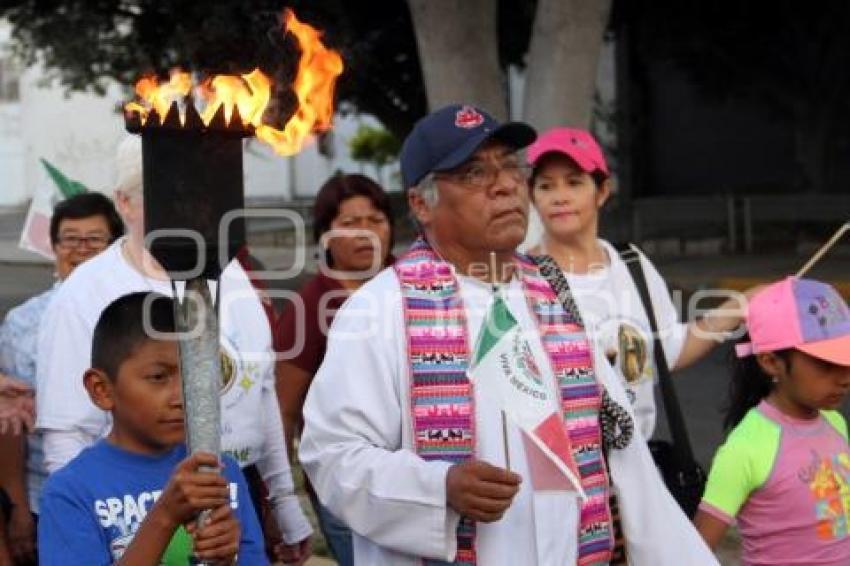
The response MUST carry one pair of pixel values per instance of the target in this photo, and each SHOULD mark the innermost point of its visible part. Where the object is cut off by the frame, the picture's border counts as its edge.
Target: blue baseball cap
(449, 136)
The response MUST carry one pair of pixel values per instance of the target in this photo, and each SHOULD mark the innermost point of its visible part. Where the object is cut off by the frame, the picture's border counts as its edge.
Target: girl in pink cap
(783, 473)
(570, 184)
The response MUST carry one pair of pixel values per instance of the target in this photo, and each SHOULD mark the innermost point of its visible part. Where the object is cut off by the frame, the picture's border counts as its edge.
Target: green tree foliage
(374, 145)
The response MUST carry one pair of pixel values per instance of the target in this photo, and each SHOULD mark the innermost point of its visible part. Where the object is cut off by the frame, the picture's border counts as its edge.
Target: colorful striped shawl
(442, 398)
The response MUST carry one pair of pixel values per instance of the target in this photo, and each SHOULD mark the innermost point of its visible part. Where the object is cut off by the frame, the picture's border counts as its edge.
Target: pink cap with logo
(804, 314)
(577, 144)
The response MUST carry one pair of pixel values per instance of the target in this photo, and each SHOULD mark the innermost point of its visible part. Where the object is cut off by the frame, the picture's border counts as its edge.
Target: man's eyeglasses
(482, 174)
(91, 242)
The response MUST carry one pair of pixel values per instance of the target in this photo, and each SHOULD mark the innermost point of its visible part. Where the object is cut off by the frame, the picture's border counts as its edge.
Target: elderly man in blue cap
(398, 441)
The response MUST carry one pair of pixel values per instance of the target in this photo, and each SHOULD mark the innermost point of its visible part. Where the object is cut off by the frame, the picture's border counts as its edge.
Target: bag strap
(558, 282)
(682, 449)
(616, 423)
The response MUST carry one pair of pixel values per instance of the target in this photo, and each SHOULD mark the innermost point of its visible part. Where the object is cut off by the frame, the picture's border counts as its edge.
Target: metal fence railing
(759, 211)
(740, 223)
(685, 217)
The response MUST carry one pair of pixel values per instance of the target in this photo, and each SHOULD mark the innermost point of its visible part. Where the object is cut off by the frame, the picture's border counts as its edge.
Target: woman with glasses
(353, 225)
(81, 227)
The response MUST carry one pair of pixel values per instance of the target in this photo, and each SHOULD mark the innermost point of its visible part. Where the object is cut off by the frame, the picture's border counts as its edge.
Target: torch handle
(200, 367)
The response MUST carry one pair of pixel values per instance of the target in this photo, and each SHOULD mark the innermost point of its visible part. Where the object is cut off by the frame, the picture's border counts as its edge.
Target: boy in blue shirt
(134, 496)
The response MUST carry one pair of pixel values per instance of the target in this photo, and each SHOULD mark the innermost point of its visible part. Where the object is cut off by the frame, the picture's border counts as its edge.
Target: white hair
(128, 165)
(427, 189)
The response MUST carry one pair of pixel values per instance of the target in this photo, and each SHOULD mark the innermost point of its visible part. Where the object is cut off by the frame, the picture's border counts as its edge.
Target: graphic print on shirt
(228, 370)
(828, 479)
(121, 516)
(627, 345)
(632, 354)
(238, 375)
(243, 380)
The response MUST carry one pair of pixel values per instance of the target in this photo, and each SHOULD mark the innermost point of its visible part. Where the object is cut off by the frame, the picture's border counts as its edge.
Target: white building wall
(12, 177)
(77, 133)
(269, 176)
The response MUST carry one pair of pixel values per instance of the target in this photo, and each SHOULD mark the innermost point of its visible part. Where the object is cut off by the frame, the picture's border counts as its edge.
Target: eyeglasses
(91, 242)
(483, 175)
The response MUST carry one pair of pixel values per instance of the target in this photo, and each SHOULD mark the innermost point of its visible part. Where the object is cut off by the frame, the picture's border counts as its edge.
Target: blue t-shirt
(92, 508)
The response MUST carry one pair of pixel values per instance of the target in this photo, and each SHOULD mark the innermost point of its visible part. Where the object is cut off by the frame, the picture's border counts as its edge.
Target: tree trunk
(561, 76)
(562, 61)
(458, 52)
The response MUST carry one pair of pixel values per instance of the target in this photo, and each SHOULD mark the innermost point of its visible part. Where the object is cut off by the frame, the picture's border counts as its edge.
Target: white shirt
(616, 321)
(252, 431)
(358, 450)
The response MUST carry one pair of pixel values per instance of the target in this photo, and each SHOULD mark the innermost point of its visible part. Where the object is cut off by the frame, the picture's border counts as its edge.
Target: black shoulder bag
(682, 474)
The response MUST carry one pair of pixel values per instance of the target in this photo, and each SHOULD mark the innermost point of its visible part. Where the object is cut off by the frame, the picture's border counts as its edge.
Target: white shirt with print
(617, 323)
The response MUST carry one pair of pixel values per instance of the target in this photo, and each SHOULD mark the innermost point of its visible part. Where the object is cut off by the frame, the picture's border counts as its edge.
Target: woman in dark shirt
(353, 223)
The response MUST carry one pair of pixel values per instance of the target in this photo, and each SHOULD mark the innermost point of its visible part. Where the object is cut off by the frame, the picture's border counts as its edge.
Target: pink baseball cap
(804, 314)
(577, 144)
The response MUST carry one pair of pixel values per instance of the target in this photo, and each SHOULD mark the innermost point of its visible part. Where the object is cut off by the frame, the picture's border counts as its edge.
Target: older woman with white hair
(251, 426)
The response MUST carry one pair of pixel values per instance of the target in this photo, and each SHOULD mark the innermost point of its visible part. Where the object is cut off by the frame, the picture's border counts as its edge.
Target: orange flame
(249, 93)
(159, 97)
(318, 70)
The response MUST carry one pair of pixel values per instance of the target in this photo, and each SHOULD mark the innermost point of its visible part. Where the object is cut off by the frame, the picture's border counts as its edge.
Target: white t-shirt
(616, 321)
(358, 450)
(251, 425)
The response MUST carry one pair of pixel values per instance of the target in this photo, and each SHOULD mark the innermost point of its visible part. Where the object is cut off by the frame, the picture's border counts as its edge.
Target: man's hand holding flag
(505, 366)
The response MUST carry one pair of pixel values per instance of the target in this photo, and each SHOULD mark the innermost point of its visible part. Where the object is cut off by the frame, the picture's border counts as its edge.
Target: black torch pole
(193, 180)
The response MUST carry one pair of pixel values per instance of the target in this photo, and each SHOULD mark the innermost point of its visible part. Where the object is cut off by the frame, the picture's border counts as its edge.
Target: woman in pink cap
(783, 473)
(570, 184)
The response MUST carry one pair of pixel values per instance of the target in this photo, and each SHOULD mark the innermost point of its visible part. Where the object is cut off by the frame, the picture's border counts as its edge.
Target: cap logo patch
(468, 117)
(826, 312)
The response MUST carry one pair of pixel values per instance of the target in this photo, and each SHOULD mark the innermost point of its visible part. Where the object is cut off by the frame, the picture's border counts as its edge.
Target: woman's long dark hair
(750, 384)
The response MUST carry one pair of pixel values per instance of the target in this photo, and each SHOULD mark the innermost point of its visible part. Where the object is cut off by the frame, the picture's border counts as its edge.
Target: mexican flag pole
(35, 236)
(504, 366)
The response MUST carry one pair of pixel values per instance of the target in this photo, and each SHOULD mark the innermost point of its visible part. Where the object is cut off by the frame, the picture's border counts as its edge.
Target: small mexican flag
(35, 236)
(504, 365)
